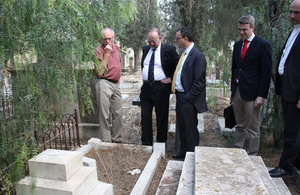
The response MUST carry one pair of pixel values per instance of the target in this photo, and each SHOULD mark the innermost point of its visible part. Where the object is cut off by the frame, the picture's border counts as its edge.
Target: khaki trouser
(247, 120)
(109, 99)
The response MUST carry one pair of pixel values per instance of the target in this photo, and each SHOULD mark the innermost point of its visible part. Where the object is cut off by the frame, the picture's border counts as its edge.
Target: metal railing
(62, 133)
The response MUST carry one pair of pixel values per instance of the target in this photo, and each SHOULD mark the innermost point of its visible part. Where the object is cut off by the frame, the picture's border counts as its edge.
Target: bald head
(154, 38)
(295, 12)
(108, 36)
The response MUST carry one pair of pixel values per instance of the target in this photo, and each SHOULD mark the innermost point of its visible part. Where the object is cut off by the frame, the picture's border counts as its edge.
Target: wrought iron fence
(62, 133)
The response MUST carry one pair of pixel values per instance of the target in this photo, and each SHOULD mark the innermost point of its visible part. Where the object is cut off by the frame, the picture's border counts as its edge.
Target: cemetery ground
(113, 165)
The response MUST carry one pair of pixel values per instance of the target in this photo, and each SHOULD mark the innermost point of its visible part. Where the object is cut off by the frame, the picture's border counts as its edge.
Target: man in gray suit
(287, 84)
(190, 88)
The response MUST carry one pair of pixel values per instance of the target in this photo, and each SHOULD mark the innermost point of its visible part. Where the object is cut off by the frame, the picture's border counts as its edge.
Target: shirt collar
(251, 37)
(158, 48)
(187, 51)
(297, 26)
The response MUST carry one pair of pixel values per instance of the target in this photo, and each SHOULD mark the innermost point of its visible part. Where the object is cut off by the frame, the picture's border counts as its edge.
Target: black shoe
(279, 172)
(178, 156)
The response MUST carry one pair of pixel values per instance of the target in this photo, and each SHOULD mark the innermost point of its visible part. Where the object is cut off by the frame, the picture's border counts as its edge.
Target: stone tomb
(61, 172)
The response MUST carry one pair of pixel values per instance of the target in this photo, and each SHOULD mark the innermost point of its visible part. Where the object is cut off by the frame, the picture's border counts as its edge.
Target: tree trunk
(137, 63)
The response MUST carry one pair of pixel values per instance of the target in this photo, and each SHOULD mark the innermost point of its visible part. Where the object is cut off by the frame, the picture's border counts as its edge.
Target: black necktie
(151, 70)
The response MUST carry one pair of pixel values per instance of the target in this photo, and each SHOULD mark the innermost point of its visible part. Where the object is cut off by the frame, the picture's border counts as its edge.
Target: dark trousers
(186, 122)
(291, 134)
(156, 96)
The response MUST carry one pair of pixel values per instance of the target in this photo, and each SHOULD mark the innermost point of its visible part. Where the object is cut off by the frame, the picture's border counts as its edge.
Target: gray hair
(109, 29)
(247, 19)
(156, 30)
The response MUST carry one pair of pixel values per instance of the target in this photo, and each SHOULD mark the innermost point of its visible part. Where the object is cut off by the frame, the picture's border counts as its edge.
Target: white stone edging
(143, 183)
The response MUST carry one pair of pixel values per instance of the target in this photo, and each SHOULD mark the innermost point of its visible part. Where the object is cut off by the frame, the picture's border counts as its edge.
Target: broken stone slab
(225, 131)
(53, 164)
(170, 179)
(187, 177)
(225, 171)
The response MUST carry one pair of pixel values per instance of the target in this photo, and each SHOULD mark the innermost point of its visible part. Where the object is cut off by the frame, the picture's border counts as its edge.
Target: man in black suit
(158, 66)
(190, 88)
(287, 84)
(250, 81)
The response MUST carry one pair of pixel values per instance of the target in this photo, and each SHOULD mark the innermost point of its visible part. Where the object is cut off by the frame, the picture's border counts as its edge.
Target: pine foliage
(48, 46)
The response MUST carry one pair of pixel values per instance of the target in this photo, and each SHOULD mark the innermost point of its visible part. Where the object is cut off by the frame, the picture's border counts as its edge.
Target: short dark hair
(186, 32)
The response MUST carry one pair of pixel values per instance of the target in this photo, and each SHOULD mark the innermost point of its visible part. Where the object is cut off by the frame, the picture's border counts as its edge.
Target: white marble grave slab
(53, 164)
(225, 171)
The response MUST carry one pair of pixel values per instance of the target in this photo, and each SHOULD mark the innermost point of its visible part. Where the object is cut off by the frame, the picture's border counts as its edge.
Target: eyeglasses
(149, 41)
(294, 12)
(177, 38)
(107, 39)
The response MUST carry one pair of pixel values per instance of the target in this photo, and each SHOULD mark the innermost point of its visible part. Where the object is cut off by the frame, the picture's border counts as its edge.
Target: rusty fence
(62, 133)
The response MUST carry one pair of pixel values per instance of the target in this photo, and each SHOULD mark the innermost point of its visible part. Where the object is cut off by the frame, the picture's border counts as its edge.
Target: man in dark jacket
(287, 84)
(190, 88)
(158, 66)
(250, 81)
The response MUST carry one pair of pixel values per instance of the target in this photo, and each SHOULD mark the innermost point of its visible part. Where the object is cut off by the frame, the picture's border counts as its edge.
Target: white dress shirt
(158, 70)
(250, 39)
(178, 84)
(288, 46)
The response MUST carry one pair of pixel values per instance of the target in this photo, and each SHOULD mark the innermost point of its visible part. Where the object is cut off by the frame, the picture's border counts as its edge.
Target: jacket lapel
(188, 58)
(295, 43)
(162, 54)
(145, 53)
(250, 49)
(239, 52)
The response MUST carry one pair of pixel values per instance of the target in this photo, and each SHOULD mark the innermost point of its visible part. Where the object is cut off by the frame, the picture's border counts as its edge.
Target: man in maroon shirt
(109, 99)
